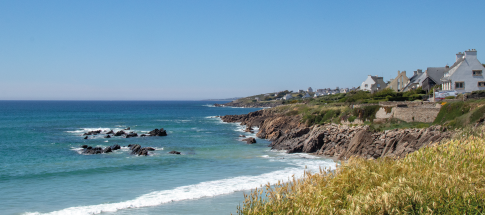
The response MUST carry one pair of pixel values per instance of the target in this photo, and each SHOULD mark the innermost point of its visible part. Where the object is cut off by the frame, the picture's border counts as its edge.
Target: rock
(115, 147)
(157, 132)
(127, 128)
(131, 134)
(242, 135)
(119, 133)
(249, 129)
(174, 152)
(84, 146)
(107, 150)
(110, 132)
(143, 135)
(150, 149)
(86, 137)
(107, 136)
(92, 132)
(249, 140)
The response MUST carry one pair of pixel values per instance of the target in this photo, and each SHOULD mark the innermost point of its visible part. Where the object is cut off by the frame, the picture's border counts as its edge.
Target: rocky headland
(286, 132)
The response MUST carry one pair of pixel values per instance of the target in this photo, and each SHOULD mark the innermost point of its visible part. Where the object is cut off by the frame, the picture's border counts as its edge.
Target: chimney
(398, 72)
(459, 55)
(415, 72)
(471, 53)
(420, 71)
(447, 66)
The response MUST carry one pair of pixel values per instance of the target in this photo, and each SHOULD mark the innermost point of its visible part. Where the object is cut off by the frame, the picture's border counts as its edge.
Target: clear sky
(166, 50)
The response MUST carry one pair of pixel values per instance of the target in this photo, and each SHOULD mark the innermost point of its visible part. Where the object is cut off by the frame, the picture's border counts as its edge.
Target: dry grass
(442, 179)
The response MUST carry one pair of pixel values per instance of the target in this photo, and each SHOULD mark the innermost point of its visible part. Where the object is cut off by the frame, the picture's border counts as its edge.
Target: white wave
(84, 130)
(208, 105)
(211, 117)
(265, 156)
(203, 189)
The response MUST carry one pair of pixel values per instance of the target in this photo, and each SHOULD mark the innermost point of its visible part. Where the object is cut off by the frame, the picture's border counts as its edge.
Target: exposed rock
(107, 150)
(110, 132)
(157, 132)
(174, 152)
(340, 141)
(131, 134)
(119, 133)
(115, 147)
(242, 135)
(107, 136)
(86, 137)
(84, 146)
(127, 128)
(92, 132)
(150, 149)
(249, 140)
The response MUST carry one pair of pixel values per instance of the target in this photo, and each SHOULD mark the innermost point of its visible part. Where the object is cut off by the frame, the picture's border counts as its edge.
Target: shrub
(450, 111)
(450, 97)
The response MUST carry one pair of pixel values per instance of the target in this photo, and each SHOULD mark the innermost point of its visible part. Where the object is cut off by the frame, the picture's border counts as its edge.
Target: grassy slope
(443, 179)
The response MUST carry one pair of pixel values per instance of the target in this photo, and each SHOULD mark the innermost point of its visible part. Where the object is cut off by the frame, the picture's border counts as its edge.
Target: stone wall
(409, 111)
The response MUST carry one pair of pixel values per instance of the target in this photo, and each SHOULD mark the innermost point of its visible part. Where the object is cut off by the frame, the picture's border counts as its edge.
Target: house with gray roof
(415, 81)
(373, 84)
(465, 75)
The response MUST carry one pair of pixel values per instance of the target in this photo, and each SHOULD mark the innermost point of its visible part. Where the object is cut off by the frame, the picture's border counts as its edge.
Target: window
(481, 84)
(366, 85)
(378, 85)
(477, 72)
(459, 85)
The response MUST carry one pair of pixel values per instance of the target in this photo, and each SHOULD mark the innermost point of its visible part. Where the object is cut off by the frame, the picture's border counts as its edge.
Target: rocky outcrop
(136, 149)
(339, 141)
(249, 140)
(96, 132)
(89, 150)
(158, 132)
(174, 152)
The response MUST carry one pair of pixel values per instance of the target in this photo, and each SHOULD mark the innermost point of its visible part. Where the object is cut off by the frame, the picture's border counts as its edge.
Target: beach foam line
(200, 190)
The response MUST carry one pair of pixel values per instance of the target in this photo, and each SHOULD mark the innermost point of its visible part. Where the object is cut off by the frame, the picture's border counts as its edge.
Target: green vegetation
(459, 114)
(443, 179)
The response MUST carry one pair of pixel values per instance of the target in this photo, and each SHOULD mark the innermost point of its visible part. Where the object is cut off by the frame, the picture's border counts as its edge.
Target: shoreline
(332, 141)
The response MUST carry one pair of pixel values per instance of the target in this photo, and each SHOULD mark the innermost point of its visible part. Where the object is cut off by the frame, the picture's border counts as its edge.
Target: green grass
(443, 179)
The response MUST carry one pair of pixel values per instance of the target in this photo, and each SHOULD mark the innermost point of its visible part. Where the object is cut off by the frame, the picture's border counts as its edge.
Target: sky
(192, 50)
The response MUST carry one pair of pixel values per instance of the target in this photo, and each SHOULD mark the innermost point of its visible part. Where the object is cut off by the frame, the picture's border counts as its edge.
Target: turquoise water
(43, 172)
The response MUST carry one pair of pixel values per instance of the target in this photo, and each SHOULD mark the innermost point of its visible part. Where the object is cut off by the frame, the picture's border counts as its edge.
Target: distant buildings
(310, 90)
(287, 96)
(398, 83)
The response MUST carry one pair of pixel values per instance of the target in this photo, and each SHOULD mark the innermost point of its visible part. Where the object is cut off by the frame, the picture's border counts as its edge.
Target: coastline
(336, 142)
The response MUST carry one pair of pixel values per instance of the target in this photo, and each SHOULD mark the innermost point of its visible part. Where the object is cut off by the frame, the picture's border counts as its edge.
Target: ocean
(43, 172)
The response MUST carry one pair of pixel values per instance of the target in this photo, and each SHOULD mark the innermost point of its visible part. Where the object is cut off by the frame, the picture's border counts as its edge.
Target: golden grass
(442, 179)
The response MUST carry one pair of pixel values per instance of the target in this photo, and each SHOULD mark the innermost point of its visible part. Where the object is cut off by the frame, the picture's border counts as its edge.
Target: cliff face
(340, 141)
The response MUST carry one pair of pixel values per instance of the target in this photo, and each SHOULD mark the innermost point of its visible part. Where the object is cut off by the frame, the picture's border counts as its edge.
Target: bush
(450, 97)
(450, 111)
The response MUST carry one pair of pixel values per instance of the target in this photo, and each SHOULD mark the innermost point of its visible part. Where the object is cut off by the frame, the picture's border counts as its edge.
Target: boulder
(107, 136)
(242, 135)
(131, 134)
(115, 147)
(249, 140)
(107, 150)
(150, 149)
(92, 132)
(119, 133)
(157, 132)
(127, 128)
(84, 146)
(110, 132)
(174, 152)
(86, 137)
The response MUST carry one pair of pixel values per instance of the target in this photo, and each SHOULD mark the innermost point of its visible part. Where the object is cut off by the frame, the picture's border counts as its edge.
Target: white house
(287, 96)
(306, 96)
(466, 74)
(373, 83)
(310, 90)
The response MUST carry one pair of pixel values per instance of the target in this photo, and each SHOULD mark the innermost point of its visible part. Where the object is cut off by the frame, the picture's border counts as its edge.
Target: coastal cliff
(339, 141)
(249, 104)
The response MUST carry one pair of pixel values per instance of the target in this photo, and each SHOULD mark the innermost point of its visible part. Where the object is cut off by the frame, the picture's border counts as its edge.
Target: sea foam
(204, 189)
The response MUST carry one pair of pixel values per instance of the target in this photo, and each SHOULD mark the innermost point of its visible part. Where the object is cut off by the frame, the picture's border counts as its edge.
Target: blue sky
(183, 50)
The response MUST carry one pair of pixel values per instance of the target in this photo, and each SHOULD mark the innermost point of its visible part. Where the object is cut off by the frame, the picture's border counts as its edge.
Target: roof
(452, 69)
(436, 73)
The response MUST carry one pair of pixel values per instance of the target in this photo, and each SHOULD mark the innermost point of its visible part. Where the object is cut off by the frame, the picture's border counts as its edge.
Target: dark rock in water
(107, 150)
(150, 149)
(174, 152)
(89, 147)
(143, 135)
(242, 135)
(127, 128)
(131, 134)
(86, 137)
(90, 150)
(249, 129)
(250, 140)
(110, 132)
(92, 132)
(119, 133)
(115, 147)
(107, 136)
(156, 132)
(84, 146)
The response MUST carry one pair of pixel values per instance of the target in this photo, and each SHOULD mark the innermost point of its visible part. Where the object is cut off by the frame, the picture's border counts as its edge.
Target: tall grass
(442, 179)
